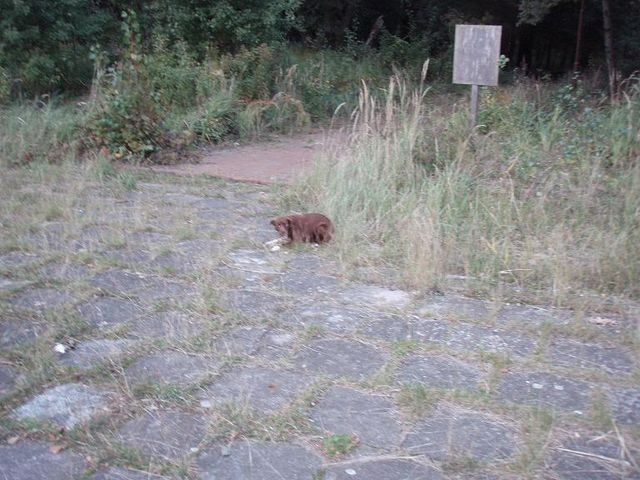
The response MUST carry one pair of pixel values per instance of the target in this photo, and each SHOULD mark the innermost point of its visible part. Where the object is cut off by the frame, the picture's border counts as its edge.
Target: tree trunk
(576, 61)
(608, 48)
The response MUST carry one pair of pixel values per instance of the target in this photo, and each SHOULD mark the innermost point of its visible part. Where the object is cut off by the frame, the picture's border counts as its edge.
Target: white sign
(476, 54)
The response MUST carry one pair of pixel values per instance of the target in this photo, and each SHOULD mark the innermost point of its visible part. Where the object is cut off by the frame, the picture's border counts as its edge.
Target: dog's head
(282, 226)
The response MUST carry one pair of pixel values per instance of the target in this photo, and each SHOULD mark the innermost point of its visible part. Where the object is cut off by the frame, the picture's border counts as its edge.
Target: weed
(537, 425)
(338, 445)
(313, 331)
(458, 464)
(417, 399)
(402, 348)
(599, 413)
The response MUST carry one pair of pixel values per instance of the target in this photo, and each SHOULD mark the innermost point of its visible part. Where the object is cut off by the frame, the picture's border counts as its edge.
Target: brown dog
(308, 227)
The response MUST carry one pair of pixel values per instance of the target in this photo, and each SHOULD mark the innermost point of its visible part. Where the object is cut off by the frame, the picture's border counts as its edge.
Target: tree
(608, 49)
(45, 45)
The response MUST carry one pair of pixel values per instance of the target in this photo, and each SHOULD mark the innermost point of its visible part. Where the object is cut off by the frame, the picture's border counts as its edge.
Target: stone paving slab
(449, 434)
(250, 460)
(312, 263)
(371, 418)
(16, 259)
(626, 405)
(469, 337)
(91, 353)
(65, 405)
(282, 299)
(388, 328)
(9, 285)
(169, 367)
(198, 251)
(545, 389)
(168, 435)
(264, 390)
(105, 312)
(372, 296)
(146, 287)
(33, 461)
(339, 358)
(172, 325)
(439, 372)
(41, 299)
(573, 354)
(427, 330)
(532, 316)
(260, 341)
(7, 379)
(593, 457)
(455, 307)
(256, 262)
(333, 318)
(148, 238)
(255, 303)
(64, 272)
(382, 469)
(115, 473)
(304, 284)
(16, 331)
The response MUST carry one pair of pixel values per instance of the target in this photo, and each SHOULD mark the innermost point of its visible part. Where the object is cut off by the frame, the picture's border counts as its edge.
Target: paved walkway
(279, 160)
(190, 351)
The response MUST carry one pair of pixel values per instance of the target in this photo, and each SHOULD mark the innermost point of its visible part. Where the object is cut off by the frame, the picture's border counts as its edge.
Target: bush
(281, 114)
(125, 119)
(215, 120)
(254, 71)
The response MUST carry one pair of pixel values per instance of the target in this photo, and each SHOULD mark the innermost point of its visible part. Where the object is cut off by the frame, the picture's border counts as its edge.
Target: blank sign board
(475, 58)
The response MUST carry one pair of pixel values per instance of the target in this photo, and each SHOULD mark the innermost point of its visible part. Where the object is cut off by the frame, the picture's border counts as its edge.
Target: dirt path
(278, 160)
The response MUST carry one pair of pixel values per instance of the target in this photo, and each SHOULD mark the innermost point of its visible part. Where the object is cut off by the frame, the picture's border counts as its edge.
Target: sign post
(475, 59)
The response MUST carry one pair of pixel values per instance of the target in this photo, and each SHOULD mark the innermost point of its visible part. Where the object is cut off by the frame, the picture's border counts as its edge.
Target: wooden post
(474, 105)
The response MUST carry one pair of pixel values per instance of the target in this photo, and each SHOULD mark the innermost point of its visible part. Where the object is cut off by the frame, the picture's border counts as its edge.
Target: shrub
(281, 114)
(126, 122)
(215, 120)
(254, 71)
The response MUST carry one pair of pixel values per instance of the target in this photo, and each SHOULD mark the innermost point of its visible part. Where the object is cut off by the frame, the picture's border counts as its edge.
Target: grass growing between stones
(539, 202)
(339, 445)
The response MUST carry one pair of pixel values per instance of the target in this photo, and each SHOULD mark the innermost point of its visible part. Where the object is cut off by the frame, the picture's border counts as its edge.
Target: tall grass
(541, 196)
(39, 132)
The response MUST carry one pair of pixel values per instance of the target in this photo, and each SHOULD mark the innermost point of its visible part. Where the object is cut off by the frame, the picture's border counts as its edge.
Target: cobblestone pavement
(151, 335)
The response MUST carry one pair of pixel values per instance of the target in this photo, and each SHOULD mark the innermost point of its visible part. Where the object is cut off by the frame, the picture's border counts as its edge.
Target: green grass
(338, 445)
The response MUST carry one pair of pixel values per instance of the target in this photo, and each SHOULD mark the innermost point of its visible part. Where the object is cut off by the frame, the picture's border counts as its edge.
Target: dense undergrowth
(167, 100)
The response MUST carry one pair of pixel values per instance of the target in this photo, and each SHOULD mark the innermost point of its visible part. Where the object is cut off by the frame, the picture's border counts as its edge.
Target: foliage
(126, 122)
(44, 46)
(254, 71)
(225, 25)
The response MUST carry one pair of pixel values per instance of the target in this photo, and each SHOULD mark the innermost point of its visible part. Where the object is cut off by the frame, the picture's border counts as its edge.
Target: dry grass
(541, 198)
